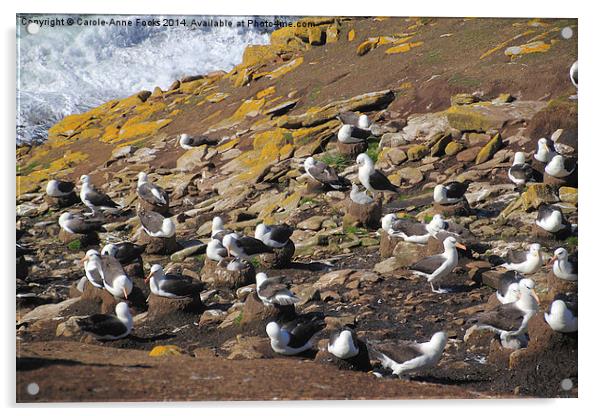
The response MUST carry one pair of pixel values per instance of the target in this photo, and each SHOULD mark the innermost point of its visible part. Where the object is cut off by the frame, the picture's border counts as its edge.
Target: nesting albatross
(59, 189)
(326, 175)
(125, 251)
(149, 192)
(79, 224)
(275, 236)
(563, 266)
(188, 142)
(560, 166)
(562, 314)
(551, 219)
(156, 225)
(520, 172)
(524, 262)
(373, 179)
(450, 193)
(351, 135)
(93, 268)
(294, 337)
(109, 327)
(171, 285)
(116, 282)
(359, 197)
(244, 246)
(272, 291)
(343, 343)
(413, 232)
(545, 150)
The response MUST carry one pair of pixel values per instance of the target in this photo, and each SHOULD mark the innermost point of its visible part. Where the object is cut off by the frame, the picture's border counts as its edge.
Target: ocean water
(64, 70)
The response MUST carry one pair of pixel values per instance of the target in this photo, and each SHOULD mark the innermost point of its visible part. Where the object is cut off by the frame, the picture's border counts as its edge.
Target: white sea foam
(67, 70)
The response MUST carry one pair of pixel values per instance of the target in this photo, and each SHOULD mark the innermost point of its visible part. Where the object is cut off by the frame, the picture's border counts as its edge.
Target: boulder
(62, 202)
(351, 150)
(159, 306)
(143, 205)
(105, 302)
(406, 253)
(459, 209)
(279, 258)
(255, 312)
(568, 181)
(365, 215)
(85, 240)
(216, 275)
(158, 245)
(556, 286)
(536, 195)
(540, 233)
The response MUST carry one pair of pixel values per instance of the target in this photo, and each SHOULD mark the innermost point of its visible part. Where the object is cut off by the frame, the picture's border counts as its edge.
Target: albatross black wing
(102, 325)
(428, 264)
(302, 329)
(456, 189)
(380, 182)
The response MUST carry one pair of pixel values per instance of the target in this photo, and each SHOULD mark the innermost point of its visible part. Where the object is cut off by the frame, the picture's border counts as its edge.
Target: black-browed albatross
(405, 357)
(109, 327)
(324, 174)
(272, 291)
(151, 193)
(563, 266)
(156, 225)
(59, 189)
(172, 285)
(296, 336)
(436, 267)
(79, 224)
(275, 236)
(411, 231)
(450, 193)
(94, 198)
(372, 179)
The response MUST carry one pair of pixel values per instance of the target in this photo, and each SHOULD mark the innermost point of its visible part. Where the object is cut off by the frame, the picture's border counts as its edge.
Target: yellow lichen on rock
(216, 97)
(264, 93)
(38, 176)
(404, 47)
(351, 35)
(286, 68)
(163, 350)
(140, 129)
(533, 47)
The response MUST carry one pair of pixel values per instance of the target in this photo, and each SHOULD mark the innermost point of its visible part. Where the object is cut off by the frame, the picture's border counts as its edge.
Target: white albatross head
(142, 178)
(260, 230)
(260, 278)
(345, 132)
(122, 311)
(519, 158)
(84, 179)
(364, 160)
(387, 221)
(363, 122)
(450, 243)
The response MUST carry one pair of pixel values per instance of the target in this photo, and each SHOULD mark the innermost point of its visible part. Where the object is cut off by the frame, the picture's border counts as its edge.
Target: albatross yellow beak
(84, 259)
(462, 246)
(148, 278)
(125, 294)
(552, 260)
(536, 297)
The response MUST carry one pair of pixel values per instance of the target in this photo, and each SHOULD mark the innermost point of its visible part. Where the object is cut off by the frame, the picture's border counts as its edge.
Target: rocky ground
(453, 99)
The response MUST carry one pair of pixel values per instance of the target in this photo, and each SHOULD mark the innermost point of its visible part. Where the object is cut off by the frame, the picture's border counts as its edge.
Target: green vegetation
(463, 81)
(238, 319)
(307, 200)
(27, 169)
(335, 160)
(74, 245)
(255, 262)
(313, 95)
(288, 138)
(428, 218)
(373, 150)
(433, 57)
(354, 230)
(572, 242)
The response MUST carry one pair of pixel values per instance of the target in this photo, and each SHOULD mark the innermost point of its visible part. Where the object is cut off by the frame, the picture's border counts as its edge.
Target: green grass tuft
(306, 200)
(335, 160)
(373, 150)
(238, 319)
(572, 242)
(74, 245)
(351, 229)
(255, 262)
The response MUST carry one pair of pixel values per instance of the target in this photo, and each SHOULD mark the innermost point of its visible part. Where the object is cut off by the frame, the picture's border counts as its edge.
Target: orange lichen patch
(68, 125)
(406, 85)
(504, 43)
(376, 41)
(92, 133)
(404, 47)
(193, 86)
(249, 108)
(146, 128)
(332, 34)
(351, 35)
(268, 91)
(527, 48)
(286, 68)
(256, 54)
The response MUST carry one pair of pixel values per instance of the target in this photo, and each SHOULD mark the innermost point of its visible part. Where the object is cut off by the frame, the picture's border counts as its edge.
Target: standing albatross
(373, 179)
(436, 267)
(94, 198)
